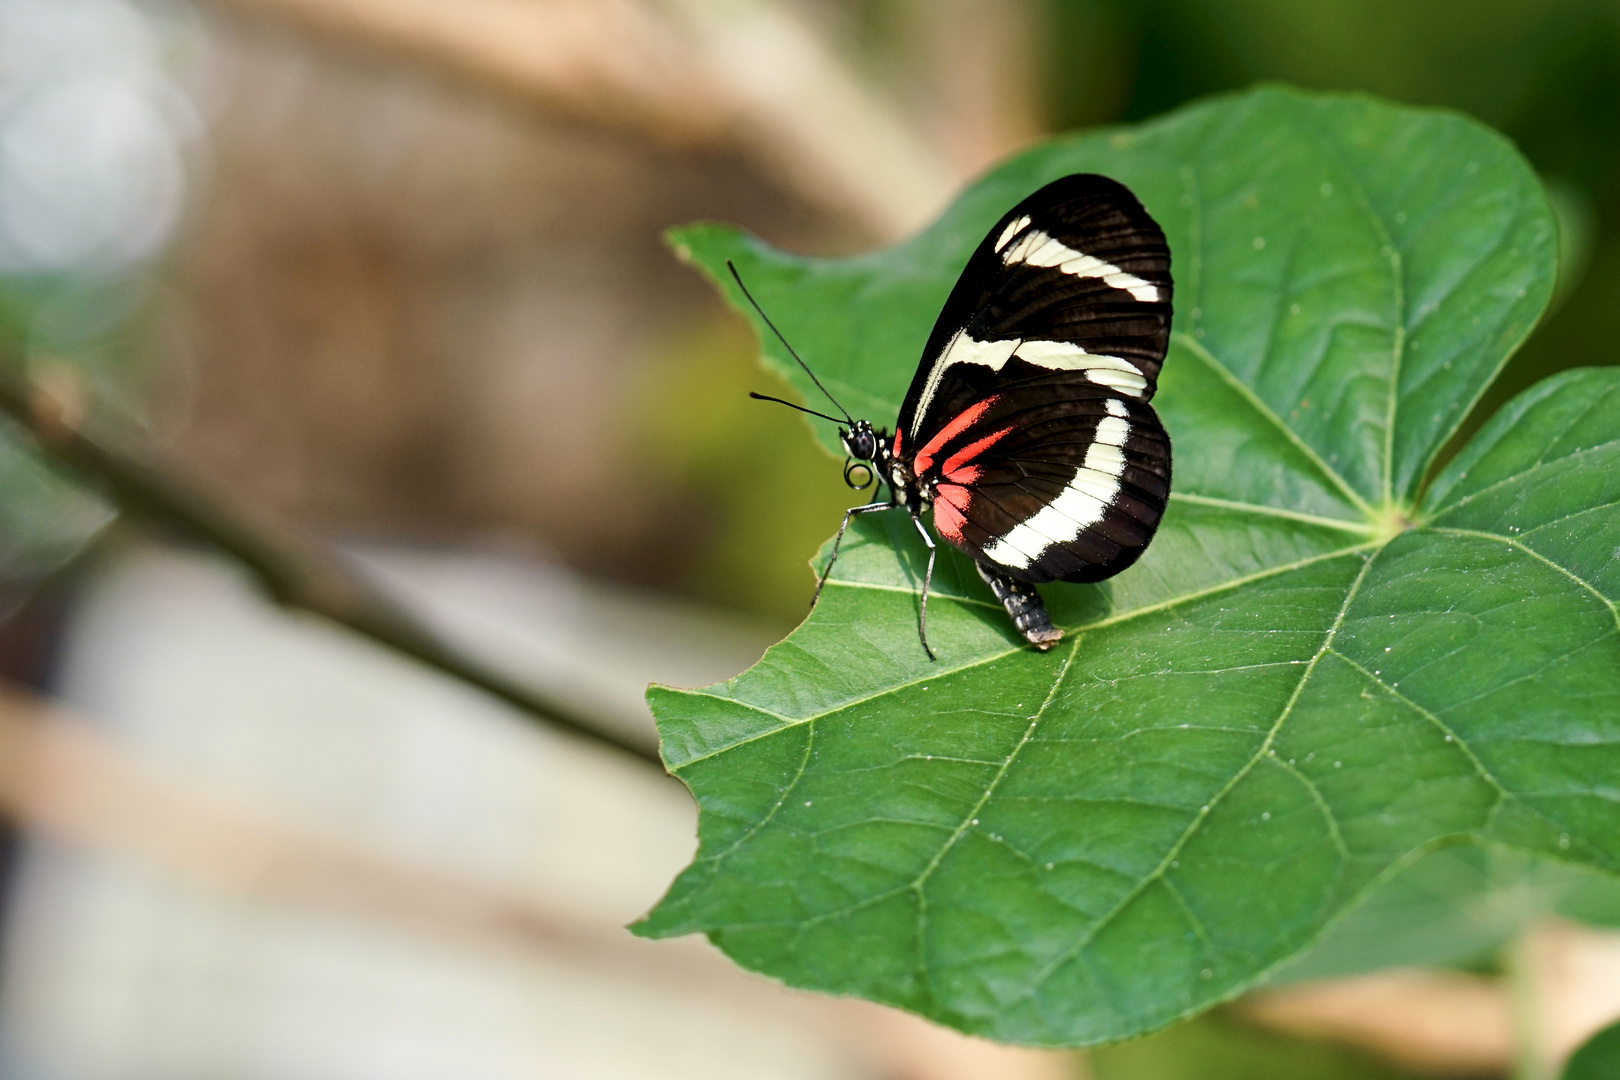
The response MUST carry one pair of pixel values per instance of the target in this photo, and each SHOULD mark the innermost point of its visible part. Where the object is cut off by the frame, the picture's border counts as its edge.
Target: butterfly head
(867, 450)
(860, 441)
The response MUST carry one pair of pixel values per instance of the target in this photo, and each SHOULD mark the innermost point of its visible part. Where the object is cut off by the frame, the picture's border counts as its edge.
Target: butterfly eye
(854, 469)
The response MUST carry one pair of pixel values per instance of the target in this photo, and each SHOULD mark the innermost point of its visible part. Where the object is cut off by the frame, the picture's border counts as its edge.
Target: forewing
(1073, 281)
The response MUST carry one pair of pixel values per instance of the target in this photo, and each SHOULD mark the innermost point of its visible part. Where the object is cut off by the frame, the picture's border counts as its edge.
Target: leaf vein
(1398, 288)
(788, 722)
(1328, 816)
(972, 816)
(1224, 586)
(1236, 506)
(1445, 729)
(1516, 477)
(1614, 612)
(809, 741)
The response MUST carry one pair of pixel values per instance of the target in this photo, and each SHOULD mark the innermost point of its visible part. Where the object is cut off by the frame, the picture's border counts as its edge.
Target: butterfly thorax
(908, 490)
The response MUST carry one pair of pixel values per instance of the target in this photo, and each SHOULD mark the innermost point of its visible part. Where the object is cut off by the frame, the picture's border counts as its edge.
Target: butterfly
(1027, 428)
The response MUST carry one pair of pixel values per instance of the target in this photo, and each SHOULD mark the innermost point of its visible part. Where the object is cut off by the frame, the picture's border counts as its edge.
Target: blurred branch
(296, 573)
(599, 61)
(811, 122)
(983, 67)
(746, 75)
(1570, 975)
(1435, 1021)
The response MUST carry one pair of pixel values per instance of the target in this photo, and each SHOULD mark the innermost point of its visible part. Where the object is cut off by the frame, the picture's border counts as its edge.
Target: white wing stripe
(1009, 550)
(1111, 431)
(1075, 509)
(1102, 486)
(1039, 249)
(961, 349)
(1100, 368)
(1105, 461)
(1013, 229)
(966, 350)
(1081, 504)
(1110, 371)
(1069, 356)
(1124, 382)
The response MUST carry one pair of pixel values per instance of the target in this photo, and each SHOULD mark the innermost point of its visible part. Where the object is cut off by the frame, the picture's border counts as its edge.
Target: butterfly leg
(1024, 605)
(928, 579)
(839, 539)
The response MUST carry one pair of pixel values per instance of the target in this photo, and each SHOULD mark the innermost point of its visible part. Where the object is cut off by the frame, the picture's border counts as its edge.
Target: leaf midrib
(1398, 283)
(1443, 509)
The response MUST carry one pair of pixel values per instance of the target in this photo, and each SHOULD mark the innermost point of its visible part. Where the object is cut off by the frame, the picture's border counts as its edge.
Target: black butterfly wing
(1028, 417)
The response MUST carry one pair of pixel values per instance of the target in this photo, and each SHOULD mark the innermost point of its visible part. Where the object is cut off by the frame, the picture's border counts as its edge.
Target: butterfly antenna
(847, 418)
(789, 404)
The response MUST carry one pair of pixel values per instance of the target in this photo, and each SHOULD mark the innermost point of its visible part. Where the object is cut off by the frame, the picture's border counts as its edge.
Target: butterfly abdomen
(1023, 606)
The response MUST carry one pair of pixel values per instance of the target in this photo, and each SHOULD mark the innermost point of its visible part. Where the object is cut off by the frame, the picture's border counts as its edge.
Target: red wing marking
(951, 496)
(954, 494)
(896, 449)
(950, 510)
(925, 456)
(954, 463)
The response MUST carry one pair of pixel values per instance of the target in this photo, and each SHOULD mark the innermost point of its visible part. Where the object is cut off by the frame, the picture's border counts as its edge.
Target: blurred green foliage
(1544, 72)
(1217, 1048)
(765, 496)
(78, 333)
(45, 518)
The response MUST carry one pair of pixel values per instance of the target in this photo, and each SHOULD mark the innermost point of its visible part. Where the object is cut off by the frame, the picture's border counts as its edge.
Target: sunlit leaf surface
(1319, 669)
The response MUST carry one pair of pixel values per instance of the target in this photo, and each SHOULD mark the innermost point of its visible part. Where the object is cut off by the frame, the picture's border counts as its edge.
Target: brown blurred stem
(297, 573)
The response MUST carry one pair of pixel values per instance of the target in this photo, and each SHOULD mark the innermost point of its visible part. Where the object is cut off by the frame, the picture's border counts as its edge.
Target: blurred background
(387, 274)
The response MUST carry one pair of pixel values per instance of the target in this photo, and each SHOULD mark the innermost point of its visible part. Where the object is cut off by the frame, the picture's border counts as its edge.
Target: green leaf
(1317, 672)
(1597, 1059)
